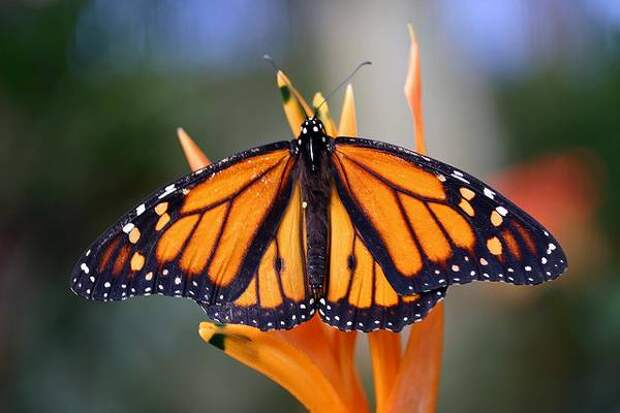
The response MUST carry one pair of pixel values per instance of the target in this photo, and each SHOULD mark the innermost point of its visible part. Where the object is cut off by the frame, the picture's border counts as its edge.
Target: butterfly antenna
(268, 58)
(341, 84)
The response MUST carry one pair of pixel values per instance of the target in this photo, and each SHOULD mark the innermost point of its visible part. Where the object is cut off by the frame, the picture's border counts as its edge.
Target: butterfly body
(316, 179)
(367, 234)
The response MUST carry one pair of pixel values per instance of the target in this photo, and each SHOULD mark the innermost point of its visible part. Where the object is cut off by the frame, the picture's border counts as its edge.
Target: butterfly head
(312, 141)
(312, 126)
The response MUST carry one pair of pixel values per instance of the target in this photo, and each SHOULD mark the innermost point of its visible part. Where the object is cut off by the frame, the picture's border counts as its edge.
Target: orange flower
(313, 361)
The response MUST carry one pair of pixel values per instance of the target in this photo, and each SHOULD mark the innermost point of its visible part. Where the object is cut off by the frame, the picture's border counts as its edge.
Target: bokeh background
(523, 93)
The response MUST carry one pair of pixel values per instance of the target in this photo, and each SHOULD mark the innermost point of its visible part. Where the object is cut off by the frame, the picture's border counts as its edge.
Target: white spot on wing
(167, 191)
(489, 193)
(460, 178)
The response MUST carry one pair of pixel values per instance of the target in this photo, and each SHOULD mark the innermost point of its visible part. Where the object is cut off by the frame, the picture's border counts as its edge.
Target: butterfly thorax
(313, 147)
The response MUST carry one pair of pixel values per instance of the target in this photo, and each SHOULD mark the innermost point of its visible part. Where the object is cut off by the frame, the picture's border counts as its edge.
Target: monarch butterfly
(368, 234)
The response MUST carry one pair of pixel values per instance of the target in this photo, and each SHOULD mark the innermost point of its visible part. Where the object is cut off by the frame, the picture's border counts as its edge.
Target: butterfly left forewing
(358, 295)
(201, 237)
(277, 297)
(430, 225)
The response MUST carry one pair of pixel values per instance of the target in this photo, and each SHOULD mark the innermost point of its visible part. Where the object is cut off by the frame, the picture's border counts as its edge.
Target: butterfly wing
(430, 225)
(201, 237)
(277, 295)
(358, 294)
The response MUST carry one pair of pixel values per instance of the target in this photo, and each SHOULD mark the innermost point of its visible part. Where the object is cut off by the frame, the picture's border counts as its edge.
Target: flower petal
(413, 92)
(318, 102)
(279, 360)
(416, 385)
(385, 356)
(348, 118)
(344, 346)
(295, 107)
(196, 158)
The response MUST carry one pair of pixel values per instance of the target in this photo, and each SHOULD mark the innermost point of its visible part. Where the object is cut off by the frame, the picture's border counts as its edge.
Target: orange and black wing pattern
(277, 296)
(358, 295)
(204, 237)
(430, 225)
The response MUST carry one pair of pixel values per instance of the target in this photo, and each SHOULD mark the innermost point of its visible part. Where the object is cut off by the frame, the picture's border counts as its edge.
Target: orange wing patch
(405, 208)
(358, 294)
(277, 295)
(231, 181)
(394, 170)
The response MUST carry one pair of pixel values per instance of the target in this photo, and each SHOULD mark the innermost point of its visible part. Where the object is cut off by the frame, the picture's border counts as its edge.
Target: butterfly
(368, 234)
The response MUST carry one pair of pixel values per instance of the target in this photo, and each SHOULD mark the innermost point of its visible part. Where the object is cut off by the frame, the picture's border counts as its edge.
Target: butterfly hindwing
(201, 237)
(358, 296)
(430, 225)
(278, 294)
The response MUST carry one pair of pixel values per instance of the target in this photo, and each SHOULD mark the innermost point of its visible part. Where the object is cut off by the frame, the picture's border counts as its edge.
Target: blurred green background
(523, 93)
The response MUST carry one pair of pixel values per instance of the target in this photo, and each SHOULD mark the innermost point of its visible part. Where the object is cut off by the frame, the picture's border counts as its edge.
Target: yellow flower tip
(208, 332)
(348, 117)
(194, 155)
(323, 113)
(284, 86)
(281, 78)
(295, 107)
(317, 99)
(412, 37)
